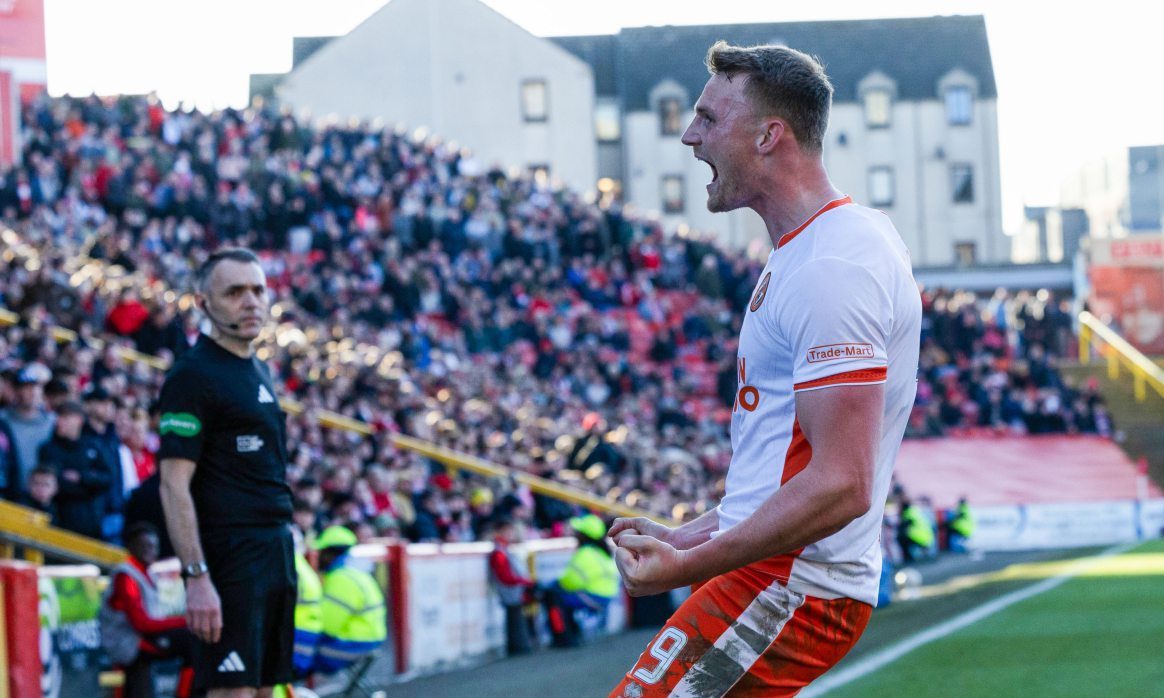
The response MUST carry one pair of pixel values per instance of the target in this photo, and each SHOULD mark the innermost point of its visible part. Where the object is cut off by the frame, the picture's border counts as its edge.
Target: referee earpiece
(213, 320)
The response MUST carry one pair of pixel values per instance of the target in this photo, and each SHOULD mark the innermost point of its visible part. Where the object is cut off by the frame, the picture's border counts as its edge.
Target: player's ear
(771, 130)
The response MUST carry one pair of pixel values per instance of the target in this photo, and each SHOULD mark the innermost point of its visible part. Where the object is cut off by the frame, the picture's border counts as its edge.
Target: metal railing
(30, 530)
(1097, 338)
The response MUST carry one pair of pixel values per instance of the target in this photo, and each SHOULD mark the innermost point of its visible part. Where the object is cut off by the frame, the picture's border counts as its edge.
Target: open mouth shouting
(714, 171)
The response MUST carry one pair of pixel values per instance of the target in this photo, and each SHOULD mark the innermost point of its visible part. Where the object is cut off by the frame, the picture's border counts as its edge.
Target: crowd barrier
(1064, 525)
(1096, 337)
(443, 613)
(443, 610)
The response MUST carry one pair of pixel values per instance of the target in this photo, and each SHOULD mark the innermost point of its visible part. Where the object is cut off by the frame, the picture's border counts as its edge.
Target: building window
(965, 253)
(670, 116)
(540, 174)
(607, 122)
(672, 194)
(877, 103)
(881, 186)
(962, 183)
(609, 191)
(959, 105)
(535, 101)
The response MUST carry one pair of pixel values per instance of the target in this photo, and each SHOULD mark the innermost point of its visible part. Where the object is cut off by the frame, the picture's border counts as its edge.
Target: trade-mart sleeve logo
(837, 352)
(180, 424)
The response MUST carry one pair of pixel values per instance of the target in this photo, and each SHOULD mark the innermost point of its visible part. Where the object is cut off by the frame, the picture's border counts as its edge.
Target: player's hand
(638, 526)
(203, 609)
(648, 565)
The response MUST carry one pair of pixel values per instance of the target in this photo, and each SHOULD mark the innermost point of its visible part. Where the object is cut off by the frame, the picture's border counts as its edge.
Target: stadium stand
(424, 293)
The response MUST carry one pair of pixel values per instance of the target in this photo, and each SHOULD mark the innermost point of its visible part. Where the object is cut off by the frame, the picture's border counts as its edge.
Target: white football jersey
(836, 304)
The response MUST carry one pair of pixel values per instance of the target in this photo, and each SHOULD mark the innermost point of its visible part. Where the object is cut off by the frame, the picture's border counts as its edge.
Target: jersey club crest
(761, 292)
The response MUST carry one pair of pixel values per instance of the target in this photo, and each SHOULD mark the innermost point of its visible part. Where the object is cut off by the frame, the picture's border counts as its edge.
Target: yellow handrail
(63, 335)
(20, 525)
(541, 485)
(450, 458)
(1093, 334)
(464, 461)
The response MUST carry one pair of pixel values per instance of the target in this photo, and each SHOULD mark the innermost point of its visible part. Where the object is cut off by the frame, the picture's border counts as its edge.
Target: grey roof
(303, 46)
(264, 84)
(914, 52)
(599, 52)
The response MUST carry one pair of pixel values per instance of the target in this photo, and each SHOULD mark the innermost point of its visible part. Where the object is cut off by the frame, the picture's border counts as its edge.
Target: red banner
(22, 627)
(1131, 300)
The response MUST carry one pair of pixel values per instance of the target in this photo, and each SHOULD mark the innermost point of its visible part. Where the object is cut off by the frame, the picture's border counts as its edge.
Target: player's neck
(241, 348)
(795, 194)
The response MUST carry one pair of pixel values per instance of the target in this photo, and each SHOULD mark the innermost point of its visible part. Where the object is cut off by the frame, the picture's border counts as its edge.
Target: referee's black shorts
(253, 570)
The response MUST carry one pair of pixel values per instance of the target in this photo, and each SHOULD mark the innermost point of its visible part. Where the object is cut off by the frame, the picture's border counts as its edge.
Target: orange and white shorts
(745, 633)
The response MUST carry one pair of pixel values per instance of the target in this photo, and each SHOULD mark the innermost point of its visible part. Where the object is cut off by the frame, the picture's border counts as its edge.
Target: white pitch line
(892, 653)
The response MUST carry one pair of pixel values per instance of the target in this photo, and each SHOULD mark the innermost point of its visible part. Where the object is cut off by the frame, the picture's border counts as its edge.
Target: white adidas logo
(232, 663)
(265, 395)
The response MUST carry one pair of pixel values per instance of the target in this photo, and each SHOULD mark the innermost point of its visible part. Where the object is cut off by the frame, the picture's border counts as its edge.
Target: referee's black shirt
(220, 411)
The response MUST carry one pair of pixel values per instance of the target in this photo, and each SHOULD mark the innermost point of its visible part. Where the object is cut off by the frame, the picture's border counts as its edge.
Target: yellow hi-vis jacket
(355, 618)
(308, 617)
(917, 527)
(591, 571)
(963, 521)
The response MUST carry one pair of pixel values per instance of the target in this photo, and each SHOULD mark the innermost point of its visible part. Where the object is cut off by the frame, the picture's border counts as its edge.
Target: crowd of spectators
(423, 293)
(993, 364)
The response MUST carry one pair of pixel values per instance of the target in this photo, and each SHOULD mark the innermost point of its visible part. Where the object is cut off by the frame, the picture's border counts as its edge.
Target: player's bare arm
(843, 426)
(203, 607)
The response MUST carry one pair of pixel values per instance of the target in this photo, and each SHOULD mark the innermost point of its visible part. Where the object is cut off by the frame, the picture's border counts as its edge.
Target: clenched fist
(648, 565)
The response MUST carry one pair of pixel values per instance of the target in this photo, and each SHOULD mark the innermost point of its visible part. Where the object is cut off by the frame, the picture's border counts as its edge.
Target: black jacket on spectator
(151, 339)
(548, 511)
(425, 528)
(145, 504)
(80, 500)
(109, 446)
(10, 485)
(50, 508)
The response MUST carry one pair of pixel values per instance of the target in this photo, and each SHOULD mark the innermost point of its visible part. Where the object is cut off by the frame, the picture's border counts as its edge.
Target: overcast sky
(1073, 84)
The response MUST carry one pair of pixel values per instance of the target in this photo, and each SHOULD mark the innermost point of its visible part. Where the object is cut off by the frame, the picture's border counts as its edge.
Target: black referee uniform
(220, 411)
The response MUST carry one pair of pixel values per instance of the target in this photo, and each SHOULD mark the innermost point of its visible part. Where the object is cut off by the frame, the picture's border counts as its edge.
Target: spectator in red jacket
(128, 316)
(134, 629)
(507, 572)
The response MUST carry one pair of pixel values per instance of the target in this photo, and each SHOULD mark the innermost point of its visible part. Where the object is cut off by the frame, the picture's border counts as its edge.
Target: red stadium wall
(1013, 470)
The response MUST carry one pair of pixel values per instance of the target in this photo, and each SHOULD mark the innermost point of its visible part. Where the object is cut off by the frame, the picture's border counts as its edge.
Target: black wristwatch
(194, 569)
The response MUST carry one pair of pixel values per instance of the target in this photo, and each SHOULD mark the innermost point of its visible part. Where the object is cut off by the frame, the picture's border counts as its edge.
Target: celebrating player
(789, 561)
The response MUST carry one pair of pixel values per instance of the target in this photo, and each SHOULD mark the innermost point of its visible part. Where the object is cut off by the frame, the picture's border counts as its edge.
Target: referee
(228, 507)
